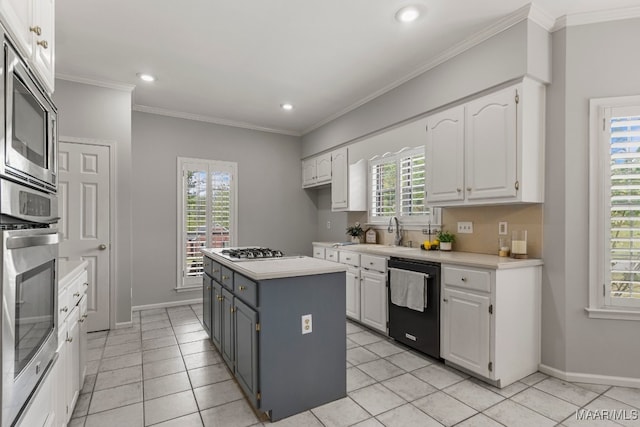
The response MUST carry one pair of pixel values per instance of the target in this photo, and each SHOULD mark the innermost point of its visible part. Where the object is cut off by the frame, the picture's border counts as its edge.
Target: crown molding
(101, 83)
(595, 17)
(541, 17)
(210, 119)
(475, 39)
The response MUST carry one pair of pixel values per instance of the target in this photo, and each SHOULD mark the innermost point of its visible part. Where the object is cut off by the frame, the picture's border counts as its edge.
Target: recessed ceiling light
(146, 77)
(408, 14)
(286, 106)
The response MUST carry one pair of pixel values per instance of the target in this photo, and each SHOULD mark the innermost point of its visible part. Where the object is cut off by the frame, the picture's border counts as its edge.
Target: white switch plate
(307, 325)
(328, 225)
(502, 228)
(465, 227)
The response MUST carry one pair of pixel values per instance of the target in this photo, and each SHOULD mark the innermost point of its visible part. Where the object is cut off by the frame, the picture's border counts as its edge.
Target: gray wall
(273, 209)
(519, 50)
(94, 112)
(590, 69)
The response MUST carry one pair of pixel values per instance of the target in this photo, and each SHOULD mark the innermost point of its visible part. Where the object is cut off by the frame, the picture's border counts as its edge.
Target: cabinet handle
(77, 294)
(81, 320)
(370, 263)
(36, 30)
(86, 284)
(215, 270)
(70, 339)
(468, 188)
(225, 277)
(445, 300)
(64, 309)
(208, 288)
(464, 279)
(458, 189)
(43, 43)
(242, 288)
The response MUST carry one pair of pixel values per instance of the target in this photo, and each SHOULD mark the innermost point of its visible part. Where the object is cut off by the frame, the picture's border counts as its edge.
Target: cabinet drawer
(375, 263)
(226, 277)
(77, 288)
(331, 255)
(212, 268)
(349, 258)
(318, 252)
(246, 290)
(478, 280)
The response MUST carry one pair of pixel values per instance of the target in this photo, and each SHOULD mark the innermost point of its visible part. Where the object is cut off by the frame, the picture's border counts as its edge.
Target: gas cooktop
(248, 254)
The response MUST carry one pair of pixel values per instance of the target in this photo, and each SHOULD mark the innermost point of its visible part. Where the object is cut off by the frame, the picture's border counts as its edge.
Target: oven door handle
(19, 242)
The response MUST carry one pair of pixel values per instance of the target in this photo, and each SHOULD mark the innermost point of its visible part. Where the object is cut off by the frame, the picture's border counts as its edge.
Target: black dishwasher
(417, 329)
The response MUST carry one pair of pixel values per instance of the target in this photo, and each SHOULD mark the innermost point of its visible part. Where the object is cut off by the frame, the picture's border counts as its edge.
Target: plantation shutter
(383, 188)
(207, 216)
(412, 184)
(624, 150)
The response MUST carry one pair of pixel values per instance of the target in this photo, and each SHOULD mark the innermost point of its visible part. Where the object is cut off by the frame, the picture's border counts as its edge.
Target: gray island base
(284, 363)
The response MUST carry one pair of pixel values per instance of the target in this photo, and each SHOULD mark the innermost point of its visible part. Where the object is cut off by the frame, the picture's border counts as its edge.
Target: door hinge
(604, 124)
(258, 395)
(517, 97)
(490, 366)
(604, 290)
(491, 309)
(257, 327)
(517, 185)
(233, 309)
(182, 273)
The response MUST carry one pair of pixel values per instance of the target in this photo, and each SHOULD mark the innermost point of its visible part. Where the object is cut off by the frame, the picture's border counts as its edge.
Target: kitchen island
(280, 326)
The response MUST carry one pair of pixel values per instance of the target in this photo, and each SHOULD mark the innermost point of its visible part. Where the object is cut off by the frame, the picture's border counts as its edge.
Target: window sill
(404, 226)
(188, 288)
(613, 313)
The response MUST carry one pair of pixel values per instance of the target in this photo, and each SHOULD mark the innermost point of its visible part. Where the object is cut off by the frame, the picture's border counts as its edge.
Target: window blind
(624, 150)
(412, 185)
(383, 189)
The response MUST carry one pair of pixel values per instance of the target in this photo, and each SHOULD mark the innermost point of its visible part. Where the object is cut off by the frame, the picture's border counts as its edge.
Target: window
(397, 187)
(206, 215)
(615, 206)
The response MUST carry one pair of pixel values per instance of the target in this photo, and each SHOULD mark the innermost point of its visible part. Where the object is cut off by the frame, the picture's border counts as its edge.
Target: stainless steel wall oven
(29, 321)
(29, 128)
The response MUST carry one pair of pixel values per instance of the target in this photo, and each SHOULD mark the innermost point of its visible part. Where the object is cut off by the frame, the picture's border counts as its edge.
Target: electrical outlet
(306, 324)
(465, 227)
(502, 228)
(328, 225)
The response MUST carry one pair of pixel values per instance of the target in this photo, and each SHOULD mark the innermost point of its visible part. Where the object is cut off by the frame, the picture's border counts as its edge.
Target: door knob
(102, 247)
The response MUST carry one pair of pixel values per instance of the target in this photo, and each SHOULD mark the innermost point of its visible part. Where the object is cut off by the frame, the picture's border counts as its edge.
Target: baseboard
(166, 304)
(590, 378)
(121, 325)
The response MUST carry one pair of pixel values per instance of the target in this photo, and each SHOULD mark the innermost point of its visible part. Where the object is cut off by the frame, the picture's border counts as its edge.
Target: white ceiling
(236, 61)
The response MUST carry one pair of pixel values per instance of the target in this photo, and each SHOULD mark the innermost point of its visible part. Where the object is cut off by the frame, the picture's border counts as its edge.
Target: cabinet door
(227, 328)
(353, 293)
(445, 155)
(73, 360)
(60, 371)
(44, 46)
(465, 330)
(308, 172)
(373, 299)
(323, 168)
(83, 339)
(246, 349)
(339, 179)
(491, 146)
(216, 314)
(17, 15)
(207, 292)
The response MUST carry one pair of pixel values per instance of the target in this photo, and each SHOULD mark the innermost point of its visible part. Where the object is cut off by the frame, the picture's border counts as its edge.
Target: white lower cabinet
(353, 292)
(491, 321)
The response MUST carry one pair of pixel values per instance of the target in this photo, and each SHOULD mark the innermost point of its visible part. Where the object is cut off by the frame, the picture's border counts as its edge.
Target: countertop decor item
(370, 236)
(519, 244)
(446, 240)
(355, 231)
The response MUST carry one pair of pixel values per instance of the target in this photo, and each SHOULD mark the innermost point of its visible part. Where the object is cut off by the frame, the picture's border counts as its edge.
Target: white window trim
(181, 285)
(599, 303)
(412, 222)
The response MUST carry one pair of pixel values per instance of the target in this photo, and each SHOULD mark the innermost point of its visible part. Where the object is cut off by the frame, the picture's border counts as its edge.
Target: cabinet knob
(102, 247)
(445, 300)
(64, 309)
(215, 270)
(70, 339)
(242, 288)
(77, 294)
(208, 287)
(464, 279)
(43, 43)
(81, 320)
(225, 277)
(86, 284)
(36, 30)
(458, 190)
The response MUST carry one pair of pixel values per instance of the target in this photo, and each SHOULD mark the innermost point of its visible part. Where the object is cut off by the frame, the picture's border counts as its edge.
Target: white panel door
(84, 200)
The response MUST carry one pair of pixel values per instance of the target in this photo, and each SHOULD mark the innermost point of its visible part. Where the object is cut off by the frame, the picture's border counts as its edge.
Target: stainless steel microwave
(29, 129)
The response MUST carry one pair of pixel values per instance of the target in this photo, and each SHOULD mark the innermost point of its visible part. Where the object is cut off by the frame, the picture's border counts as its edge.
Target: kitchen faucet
(398, 239)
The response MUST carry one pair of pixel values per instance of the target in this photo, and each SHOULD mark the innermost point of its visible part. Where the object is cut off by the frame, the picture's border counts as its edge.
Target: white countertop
(69, 270)
(445, 257)
(276, 268)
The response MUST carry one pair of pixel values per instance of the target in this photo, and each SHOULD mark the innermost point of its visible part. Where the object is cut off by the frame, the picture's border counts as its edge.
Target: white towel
(408, 289)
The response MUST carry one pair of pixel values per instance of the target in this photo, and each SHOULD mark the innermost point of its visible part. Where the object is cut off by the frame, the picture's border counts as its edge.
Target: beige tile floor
(163, 371)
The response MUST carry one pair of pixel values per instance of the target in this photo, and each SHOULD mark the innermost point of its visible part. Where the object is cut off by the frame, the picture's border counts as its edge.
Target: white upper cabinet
(316, 171)
(489, 150)
(31, 24)
(348, 182)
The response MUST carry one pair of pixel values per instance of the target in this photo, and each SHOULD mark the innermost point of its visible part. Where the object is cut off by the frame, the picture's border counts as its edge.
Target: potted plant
(355, 231)
(446, 239)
